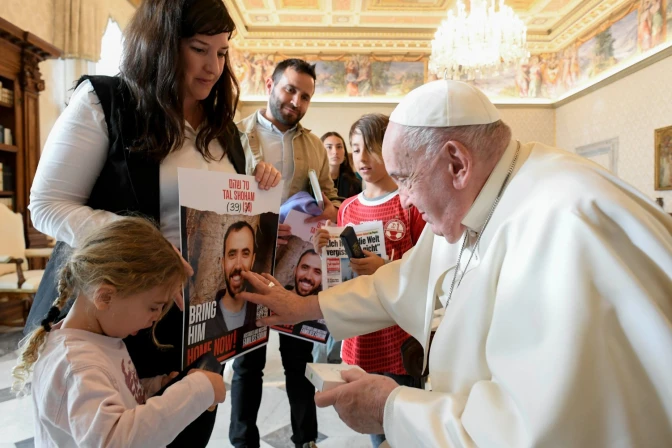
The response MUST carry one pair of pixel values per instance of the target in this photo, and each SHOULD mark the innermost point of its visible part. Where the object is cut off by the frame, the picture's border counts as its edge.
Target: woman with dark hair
(116, 148)
(345, 180)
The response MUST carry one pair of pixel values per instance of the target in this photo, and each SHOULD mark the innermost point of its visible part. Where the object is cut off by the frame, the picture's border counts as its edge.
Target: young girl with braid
(85, 388)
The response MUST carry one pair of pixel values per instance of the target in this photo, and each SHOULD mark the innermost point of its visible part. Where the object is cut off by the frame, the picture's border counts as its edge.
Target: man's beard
(229, 289)
(278, 114)
(314, 290)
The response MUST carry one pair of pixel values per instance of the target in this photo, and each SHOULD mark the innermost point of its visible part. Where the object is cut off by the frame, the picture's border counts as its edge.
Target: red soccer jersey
(380, 352)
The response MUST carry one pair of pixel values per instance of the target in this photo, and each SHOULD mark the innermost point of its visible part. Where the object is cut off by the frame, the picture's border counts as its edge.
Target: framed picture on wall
(604, 153)
(663, 157)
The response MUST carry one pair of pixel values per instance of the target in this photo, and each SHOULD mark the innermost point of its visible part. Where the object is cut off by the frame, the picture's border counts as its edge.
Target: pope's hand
(289, 308)
(266, 175)
(367, 265)
(361, 402)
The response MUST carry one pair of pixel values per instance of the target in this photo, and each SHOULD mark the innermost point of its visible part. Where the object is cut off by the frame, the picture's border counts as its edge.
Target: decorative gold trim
(613, 18)
(329, 46)
(592, 19)
(440, 5)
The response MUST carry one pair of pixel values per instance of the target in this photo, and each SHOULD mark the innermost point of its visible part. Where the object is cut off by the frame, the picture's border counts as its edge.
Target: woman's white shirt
(73, 157)
(186, 157)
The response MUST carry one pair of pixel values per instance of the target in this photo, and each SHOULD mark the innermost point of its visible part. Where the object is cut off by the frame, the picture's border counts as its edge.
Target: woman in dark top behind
(345, 180)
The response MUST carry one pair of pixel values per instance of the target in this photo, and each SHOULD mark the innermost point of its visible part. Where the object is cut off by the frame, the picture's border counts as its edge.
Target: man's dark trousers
(247, 386)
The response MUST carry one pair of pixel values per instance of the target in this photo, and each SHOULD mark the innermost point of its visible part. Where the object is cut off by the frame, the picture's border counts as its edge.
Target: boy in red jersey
(378, 352)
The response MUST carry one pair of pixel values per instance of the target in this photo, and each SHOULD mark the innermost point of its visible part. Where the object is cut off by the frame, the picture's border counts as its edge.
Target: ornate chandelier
(478, 44)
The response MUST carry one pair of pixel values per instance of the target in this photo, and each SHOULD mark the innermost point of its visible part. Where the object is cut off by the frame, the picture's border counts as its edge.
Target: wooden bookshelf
(8, 148)
(21, 53)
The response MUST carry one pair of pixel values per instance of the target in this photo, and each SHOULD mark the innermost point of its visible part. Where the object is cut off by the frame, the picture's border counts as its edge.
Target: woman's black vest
(127, 184)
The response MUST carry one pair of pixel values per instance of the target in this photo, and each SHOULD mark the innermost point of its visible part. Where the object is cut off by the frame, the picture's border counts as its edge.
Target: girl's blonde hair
(372, 128)
(129, 254)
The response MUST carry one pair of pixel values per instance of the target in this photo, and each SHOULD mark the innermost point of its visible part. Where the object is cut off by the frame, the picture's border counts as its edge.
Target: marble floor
(16, 415)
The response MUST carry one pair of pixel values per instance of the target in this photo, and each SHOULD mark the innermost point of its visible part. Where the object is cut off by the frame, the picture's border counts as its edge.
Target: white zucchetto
(445, 103)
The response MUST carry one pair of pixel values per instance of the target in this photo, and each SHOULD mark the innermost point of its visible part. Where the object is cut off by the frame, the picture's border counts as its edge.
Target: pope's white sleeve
(353, 308)
(579, 348)
(72, 158)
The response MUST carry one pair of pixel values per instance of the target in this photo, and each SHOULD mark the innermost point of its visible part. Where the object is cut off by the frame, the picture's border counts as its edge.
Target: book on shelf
(2, 177)
(7, 177)
(6, 96)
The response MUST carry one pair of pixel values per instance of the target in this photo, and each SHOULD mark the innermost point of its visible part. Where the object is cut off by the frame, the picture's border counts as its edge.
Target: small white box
(327, 376)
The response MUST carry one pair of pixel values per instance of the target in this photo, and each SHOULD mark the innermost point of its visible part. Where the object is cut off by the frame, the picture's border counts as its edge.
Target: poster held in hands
(335, 262)
(227, 226)
(299, 268)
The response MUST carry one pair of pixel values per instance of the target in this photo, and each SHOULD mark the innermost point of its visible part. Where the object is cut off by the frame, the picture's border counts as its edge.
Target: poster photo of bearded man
(298, 268)
(221, 248)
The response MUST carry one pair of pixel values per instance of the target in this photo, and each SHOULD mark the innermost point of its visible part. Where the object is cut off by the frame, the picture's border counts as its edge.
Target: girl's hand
(266, 175)
(368, 265)
(321, 238)
(217, 382)
(166, 378)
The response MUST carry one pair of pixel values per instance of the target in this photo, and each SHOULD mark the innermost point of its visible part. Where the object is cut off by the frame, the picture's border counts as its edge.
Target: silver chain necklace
(487, 220)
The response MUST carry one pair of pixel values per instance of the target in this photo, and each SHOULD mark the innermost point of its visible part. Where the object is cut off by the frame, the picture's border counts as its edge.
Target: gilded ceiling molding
(279, 56)
(574, 24)
(580, 25)
(615, 17)
(338, 33)
(343, 44)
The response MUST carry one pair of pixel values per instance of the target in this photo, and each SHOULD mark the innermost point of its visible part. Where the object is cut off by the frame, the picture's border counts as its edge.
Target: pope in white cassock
(556, 278)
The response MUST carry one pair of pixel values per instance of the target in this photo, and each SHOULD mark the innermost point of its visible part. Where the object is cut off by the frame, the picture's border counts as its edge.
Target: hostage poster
(299, 268)
(228, 226)
(335, 262)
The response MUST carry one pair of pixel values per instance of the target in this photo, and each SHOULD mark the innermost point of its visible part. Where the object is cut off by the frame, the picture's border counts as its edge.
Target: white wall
(630, 109)
(530, 124)
(527, 123)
